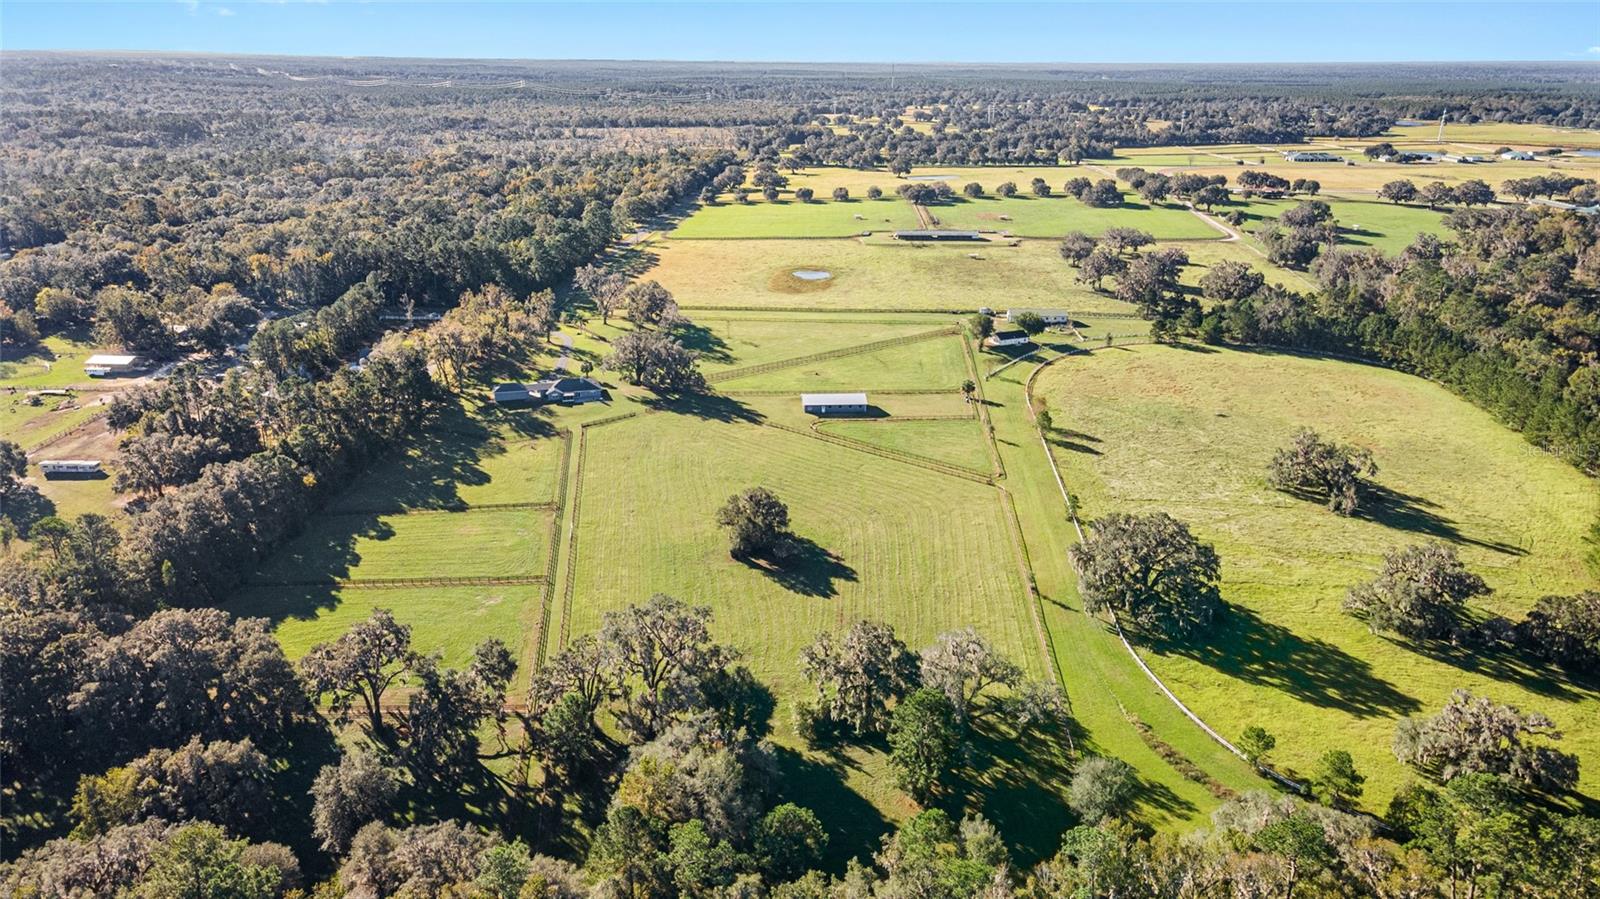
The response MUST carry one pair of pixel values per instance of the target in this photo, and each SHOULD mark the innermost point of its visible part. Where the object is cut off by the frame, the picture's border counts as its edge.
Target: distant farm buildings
(1016, 337)
(833, 403)
(70, 468)
(1517, 155)
(566, 391)
(107, 365)
(1051, 317)
(1312, 156)
(937, 235)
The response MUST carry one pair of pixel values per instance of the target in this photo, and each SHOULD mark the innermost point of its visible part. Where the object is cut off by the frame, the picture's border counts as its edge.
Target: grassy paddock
(492, 543)
(449, 620)
(1055, 216)
(788, 217)
(932, 363)
(957, 441)
(1389, 227)
(1190, 431)
(463, 465)
(890, 277)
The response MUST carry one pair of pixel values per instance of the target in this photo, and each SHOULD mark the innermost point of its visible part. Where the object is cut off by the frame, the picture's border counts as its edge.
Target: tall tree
(1152, 569)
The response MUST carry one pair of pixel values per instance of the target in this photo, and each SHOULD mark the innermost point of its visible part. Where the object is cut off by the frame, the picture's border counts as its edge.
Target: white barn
(833, 403)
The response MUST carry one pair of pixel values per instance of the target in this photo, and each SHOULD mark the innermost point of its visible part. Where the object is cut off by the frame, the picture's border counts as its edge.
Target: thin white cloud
(224, 11)
(1595, 50)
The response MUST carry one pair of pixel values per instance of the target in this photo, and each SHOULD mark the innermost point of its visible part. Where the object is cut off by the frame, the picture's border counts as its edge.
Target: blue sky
(974, 31)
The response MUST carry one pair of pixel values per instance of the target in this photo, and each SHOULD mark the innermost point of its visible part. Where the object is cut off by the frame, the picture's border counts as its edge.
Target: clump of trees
(657, 360)
(1312, 467)
(1475, 735)
(1152, 570)
(1420, 593)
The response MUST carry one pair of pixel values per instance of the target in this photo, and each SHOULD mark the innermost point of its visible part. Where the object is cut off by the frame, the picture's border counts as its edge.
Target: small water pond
(811, 274)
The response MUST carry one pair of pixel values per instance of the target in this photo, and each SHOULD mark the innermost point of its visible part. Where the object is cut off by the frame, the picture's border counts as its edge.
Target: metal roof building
(833, 403)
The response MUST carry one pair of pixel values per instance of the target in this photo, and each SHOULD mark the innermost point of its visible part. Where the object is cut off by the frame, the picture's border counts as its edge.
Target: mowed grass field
(447, 620)
(419, 520)
(924, 551)
(935, 363)
(788, 217)
(1190, 432)
(756, 274)
(956, 441)
(1057, 215)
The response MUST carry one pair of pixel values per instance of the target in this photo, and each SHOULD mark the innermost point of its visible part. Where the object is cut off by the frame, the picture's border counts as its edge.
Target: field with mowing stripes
(885, 276)
(490, 543)
(822, 217)
(1047, 217)
(448, 620)
(1191, 432)
(956, 441)
(924, 364)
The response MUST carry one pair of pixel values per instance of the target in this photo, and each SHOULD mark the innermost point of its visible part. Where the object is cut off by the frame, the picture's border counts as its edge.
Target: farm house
(510, 392)
(1015, 337)
(833, 403)
(68, 468)
(567, 391)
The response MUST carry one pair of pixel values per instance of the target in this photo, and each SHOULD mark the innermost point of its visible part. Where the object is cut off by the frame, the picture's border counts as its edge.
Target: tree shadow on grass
(807, 569)
(712, 406)
(1503, 665)
(1075, 441)
(1405, 512)
(854, 826)
(1310, 670)
(311, 745)
(702, 340)
(1015, 779)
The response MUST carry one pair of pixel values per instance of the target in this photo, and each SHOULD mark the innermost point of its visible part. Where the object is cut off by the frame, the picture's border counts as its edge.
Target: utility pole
(1441, 125)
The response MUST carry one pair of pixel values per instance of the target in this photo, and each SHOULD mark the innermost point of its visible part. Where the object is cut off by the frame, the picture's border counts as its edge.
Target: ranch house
(833, 403)
(568, 391)
(1016, 337)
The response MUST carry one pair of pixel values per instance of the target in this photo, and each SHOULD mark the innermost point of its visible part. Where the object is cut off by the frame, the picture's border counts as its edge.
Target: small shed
(1312, 156)
(510, 392)
(937, 235)
(833, 403)
(104, 365)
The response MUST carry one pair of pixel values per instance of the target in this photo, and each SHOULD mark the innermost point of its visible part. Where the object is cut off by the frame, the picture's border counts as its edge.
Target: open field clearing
(57, 363)
(957, 441)
(448, 620)
(1369, 176)
(935, 363)
(784, 408)
(788, 217)
(727, 342)
(923, 551)
(1048, 217)
(1496, 133)
(28, 426)
(730, 274)
(1191, 431)
(491, 543)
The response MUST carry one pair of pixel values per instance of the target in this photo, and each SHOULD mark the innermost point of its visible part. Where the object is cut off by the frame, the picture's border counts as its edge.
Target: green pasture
(788, 217)
(447, 620)
(727, 342)
(956, 441)
(1495, 134)
(56, 362)
(1054, 216)
(28, 425)
(356, 546)
(1190, 431)
(890, 276)
(934, 363)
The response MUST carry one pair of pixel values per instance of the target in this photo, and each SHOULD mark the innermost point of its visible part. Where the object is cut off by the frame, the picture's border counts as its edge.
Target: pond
(811, 274)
